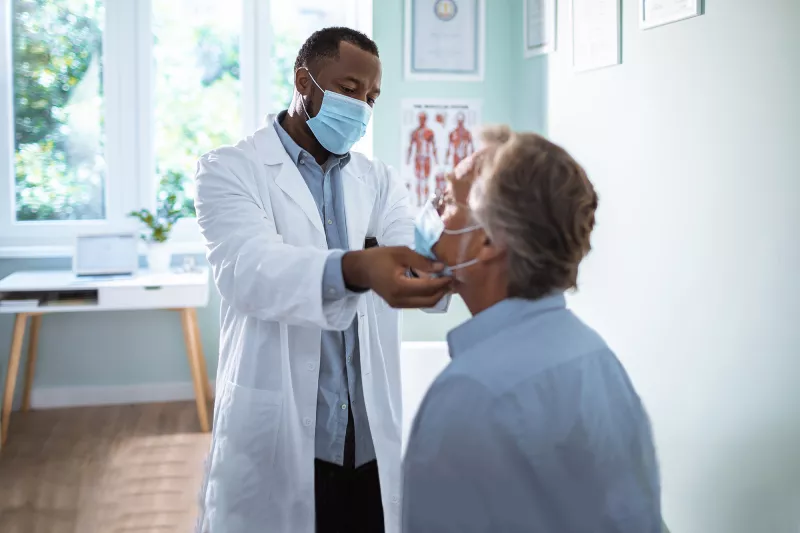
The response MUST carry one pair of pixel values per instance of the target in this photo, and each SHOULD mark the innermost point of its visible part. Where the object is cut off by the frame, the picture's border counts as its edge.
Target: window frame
(130, 182)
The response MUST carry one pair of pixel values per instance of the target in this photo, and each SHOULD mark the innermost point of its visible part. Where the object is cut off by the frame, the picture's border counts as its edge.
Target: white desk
(33, 294)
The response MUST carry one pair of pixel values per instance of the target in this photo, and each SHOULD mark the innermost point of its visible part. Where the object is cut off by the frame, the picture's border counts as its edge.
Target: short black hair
(325, 44)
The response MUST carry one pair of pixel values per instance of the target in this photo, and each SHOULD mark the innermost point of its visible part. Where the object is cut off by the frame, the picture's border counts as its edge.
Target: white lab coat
(267, 249)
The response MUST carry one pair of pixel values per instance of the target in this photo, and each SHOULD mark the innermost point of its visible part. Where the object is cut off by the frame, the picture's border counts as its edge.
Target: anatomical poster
(436, 135)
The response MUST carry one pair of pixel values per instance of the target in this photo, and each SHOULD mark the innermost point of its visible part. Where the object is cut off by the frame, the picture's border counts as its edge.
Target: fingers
(420, 274)
(420, 302)
(465, 168)
(415, 293)
(421, 295)
(420, 287)
(411, 259)
(401, 291)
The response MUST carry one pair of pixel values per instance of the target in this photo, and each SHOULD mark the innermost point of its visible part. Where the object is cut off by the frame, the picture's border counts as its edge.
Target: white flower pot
(159, 257)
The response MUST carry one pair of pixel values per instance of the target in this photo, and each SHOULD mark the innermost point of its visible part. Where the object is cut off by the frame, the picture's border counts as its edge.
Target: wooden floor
(132, 468)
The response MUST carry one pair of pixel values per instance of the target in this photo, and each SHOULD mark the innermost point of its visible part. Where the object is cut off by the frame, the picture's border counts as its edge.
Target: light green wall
(131, 348)
(526, 81)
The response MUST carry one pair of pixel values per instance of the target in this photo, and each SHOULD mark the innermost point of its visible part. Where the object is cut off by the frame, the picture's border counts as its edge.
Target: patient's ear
(491, 250)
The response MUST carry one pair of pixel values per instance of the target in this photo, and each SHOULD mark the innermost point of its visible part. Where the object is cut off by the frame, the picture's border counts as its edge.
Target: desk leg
(20, 321)
(201, 358)
(190, 337)
(30, 368)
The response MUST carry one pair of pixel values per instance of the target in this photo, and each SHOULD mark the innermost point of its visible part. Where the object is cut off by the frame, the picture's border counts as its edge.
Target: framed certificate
(596, 34)
(539, 27)
(654, 13)
(445, 40)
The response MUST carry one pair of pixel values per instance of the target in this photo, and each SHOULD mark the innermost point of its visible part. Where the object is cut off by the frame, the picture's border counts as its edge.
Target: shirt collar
(494, 320)
(296, 153)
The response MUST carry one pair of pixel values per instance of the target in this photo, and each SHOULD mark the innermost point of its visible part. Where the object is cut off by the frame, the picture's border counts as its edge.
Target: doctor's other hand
(383, 270)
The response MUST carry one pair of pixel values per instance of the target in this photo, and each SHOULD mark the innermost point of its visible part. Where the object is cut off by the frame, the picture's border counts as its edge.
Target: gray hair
(535, 200)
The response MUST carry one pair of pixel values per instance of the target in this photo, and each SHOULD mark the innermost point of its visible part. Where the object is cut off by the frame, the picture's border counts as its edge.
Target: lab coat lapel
(359, 199)
(271, 152)
(291, 182)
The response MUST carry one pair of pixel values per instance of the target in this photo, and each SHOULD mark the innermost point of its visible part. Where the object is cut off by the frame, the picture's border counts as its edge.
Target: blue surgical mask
(429, 228)
(340, 122)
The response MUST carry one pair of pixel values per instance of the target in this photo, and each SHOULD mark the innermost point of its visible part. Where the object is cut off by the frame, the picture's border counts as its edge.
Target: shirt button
(306, 421)
(311, 366)
(395, 499)
(302, 162)
(344, 406)
(331, 291)
(349, 359)
(330, 222)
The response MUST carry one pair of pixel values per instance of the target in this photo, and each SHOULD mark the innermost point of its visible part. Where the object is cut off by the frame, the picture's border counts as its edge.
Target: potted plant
(156, 232)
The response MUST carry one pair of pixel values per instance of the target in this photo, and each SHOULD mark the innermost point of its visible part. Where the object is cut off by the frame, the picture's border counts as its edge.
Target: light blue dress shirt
(534, 427)
(340, 385)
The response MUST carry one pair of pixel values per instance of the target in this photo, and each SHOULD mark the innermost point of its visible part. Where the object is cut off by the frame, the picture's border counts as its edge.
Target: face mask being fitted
(340, 122)
(429, 228)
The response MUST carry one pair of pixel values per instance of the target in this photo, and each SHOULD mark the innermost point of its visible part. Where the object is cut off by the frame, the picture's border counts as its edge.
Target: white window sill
(52, 252)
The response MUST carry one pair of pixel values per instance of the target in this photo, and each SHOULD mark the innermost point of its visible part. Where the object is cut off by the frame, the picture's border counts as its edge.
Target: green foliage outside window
(57, 45)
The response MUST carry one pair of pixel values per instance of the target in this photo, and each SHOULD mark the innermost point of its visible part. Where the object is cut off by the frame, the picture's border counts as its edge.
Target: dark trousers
(348, 499)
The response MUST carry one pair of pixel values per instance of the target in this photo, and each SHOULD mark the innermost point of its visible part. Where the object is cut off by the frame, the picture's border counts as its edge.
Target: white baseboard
(57, 397)
(420, 363)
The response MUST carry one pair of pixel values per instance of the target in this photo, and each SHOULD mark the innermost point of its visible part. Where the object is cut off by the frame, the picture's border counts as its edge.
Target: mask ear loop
(302, 103)
(462, 230)
(463, 246)
(464, 264)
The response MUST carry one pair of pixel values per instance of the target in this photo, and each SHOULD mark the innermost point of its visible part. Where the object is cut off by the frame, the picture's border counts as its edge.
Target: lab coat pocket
(244, 456)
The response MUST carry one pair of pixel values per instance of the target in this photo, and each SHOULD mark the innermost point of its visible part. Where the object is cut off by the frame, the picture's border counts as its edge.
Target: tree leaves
(55, 45)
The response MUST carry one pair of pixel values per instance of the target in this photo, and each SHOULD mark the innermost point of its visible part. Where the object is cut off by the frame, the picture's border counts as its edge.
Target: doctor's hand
(384, 271)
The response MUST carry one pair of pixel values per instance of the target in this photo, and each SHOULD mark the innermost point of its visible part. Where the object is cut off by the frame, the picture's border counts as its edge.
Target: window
(197, 90)
(59, 162)
(110, 103)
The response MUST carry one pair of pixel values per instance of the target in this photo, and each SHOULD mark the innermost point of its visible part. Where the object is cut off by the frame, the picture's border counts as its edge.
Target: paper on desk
(19, 304)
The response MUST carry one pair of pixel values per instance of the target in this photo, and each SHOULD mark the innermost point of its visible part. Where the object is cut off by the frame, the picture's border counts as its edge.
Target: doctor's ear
(302, 81)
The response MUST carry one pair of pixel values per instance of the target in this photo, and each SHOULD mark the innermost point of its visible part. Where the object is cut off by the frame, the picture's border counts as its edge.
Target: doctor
(308, 410)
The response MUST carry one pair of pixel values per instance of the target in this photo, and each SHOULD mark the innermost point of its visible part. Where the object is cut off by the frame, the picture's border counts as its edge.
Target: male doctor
(308, 410)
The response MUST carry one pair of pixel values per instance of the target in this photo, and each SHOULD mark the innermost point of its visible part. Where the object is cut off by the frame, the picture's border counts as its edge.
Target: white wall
(694, 146)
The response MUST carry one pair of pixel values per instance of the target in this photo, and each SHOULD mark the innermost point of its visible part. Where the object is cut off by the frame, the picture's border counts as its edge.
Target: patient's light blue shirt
(534, 427)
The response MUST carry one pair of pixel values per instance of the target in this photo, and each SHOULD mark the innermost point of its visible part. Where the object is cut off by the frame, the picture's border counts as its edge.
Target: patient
(534, 426)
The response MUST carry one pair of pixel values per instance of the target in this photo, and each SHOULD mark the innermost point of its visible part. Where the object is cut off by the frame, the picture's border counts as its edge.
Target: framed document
(539, 27)
(653, 13)
(596, 34)
(445, 40)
